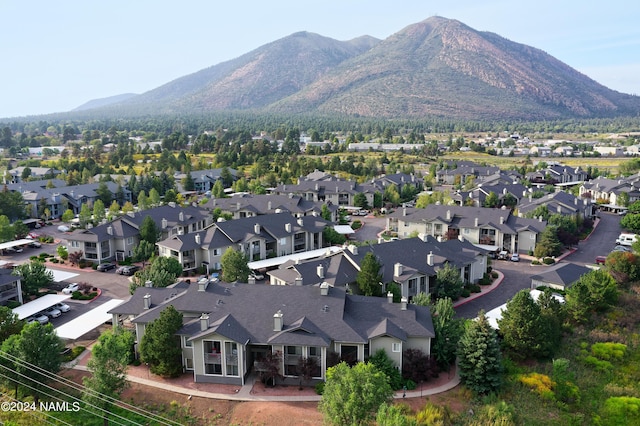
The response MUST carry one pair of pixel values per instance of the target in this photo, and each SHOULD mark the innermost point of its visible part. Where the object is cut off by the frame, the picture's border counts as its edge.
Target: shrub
(465, 293)
(609, 351)
(319, 388)
(356, 224)
(494, 275)
(548, 261)
(474, 288)
(540, 383)
(536, 262)
(409, 384)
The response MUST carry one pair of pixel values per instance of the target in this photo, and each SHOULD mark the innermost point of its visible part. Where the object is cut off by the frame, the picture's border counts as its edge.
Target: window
(187, 342)
(74, 243)
(188, 363)
(212, 357)
(231, 358)
(396, 347)
(466, 230)
(283, 241)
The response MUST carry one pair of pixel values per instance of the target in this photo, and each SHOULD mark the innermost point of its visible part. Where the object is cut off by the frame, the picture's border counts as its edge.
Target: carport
(59, 276)
(16, 243)
(39, 305)
(80, 326)
(277, 261)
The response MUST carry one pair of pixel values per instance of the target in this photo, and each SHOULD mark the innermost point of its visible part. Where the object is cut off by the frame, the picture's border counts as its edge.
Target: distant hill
(438, 67)
(97, 103)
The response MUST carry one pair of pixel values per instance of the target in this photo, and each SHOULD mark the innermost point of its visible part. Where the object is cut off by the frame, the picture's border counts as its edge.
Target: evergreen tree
(369, 277)
(479, 357)
(234, 266)
(149, 231)
(160, 347)
(522, 327)
(447, 330)
(448, 282)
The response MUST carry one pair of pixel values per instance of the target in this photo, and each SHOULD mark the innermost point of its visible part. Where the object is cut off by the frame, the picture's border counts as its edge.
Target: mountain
(438, 67)
(256, 79)
(97, 103)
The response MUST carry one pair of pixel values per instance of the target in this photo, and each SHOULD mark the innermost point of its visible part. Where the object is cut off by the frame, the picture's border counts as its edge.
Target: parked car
(62, 307)
(257, 275)
(71, 288)
(600, 260)
(621, 248)
(107, 266)
(52, 312)
(515, 257)
(42, 319)
(503, 255)
(35, 244)
(64, 228)
(127, 270)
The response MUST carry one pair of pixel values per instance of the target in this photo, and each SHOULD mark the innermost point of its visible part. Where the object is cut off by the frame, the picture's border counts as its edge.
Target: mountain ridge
(438, 67)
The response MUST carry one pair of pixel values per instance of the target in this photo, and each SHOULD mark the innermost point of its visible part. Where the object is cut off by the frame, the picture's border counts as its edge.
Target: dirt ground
(204, 411)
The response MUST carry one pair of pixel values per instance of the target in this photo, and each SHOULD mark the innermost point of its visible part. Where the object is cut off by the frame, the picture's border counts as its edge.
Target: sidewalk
(446, 381)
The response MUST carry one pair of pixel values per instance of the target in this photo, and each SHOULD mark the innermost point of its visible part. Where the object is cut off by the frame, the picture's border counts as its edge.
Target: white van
(626, 239)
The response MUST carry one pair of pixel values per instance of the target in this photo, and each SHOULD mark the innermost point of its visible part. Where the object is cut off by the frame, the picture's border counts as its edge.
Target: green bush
(548, 261)
(356, 225)
(494, 275)
(410, 384)
(536, 262)
(320, 388)
(474, 288)
(465, 293)
(73, 353)
(76, 295)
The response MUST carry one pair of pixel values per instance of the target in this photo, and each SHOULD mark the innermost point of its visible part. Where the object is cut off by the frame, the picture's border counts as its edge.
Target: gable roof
(563, 274)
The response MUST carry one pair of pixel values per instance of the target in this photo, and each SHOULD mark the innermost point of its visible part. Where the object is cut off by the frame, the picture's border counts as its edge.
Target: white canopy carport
(88, 321)
(59, 276)
(38, 305)
(9, 244)
(344, 229)
(275, 261)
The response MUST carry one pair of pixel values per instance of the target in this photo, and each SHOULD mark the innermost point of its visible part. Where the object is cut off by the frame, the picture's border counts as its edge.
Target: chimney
(148, 284)
(203, 283)
(403, 304)
(430, 259)
(238, 205)
(300, 222)
(256, 228)
(504, 191)
(397, 269)
(575, 201)
(389, 297)
(476, 222)
(449, 215)
(501, 220)
(147, 301)
(277, 321)
(460, 238)
(287, 227)
(198, 239)
(317, 187)
(540, 218)
(269, 205)
(164, 223)
(353, 249)
(559, 209)
(181, 216)
(204, 322)
(320, 270)
(324, 289)
(110, 230)
(404, 211)
(298, 281)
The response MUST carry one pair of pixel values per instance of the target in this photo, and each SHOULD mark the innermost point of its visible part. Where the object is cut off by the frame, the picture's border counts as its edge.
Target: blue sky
(58, 55)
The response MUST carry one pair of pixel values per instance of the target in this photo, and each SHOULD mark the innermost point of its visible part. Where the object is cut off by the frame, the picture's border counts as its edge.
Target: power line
(64, 381)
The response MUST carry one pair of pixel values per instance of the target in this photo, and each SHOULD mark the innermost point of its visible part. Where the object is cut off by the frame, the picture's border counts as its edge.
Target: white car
(71, 288)
(42, 319)
(52, 312)
(64, 228)
(62, 307)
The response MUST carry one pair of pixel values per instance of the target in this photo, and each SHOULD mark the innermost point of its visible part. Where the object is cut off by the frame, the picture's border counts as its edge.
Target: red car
(600, 260)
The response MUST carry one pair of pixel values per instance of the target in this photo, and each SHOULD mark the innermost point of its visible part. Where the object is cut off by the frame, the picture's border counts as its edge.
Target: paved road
(517, 276)
(372, 227)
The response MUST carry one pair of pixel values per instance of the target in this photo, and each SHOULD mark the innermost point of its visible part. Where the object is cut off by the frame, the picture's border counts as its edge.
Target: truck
(626, 239)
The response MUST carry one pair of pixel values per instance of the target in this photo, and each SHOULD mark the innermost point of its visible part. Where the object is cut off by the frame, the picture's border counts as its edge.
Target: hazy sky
(57, 55)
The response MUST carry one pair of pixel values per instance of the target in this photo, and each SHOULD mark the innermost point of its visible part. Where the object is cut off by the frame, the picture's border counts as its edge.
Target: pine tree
(369, 277)
(479, 357)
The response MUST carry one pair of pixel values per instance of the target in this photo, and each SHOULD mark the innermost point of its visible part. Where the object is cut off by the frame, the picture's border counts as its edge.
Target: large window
(212, 357)
(231, 358)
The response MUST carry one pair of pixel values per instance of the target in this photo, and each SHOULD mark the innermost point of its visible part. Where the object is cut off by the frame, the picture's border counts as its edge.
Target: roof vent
(325, 308)
(287, 227)
(324, 289)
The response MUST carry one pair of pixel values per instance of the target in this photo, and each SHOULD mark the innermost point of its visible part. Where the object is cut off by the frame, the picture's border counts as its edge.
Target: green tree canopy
(149, 231)
(448, 331)
(369, 277)
(234, 266)
(479, 357)
(523, 329)
(595, 291)
(160, 347)
(108, 364)
(67, 216)
(548, 244)
(33, 276)
(449, 282)
(143, 251)
(9, 323)
(353, 395)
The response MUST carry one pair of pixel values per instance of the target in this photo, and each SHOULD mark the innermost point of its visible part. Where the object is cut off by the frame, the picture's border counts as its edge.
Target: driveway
(517, 276)
(372, 226)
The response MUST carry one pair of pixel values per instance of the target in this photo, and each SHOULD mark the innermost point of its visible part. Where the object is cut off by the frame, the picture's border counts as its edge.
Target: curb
(489, 289)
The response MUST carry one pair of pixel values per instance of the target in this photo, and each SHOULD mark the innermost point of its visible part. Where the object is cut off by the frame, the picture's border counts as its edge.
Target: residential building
(495, 229)
(117, 239)
(411, 263)
(10, 286)
(228, 329)
(250, 205)
(258, 237)
(559, 202)
(560, 276)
